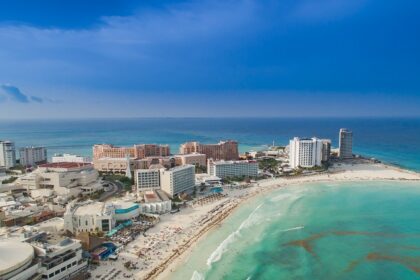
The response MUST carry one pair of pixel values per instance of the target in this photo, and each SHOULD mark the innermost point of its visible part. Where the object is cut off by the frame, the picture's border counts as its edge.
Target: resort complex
(141, 207)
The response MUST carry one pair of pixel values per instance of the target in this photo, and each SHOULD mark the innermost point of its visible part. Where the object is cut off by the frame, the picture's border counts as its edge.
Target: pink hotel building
(224, 150)
(136, 152)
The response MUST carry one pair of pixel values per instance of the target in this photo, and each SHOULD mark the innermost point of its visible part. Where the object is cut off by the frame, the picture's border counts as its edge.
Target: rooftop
(65, 165)
(220, 162)
(155, 196)
(90, 209)
(14, 254)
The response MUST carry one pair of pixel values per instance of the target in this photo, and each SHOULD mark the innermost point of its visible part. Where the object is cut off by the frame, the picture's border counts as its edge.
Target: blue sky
(72, 59)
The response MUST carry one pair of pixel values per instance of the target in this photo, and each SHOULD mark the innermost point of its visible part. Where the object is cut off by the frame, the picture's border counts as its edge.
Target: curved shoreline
(367, 172)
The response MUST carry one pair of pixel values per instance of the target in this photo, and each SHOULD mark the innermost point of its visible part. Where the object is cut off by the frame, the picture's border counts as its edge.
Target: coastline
(360, 171)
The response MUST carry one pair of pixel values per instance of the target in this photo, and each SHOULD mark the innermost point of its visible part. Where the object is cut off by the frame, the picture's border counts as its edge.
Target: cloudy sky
(75, 59)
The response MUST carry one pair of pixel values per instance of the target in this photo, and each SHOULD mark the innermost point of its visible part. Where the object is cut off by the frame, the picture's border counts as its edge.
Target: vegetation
(316, 168)
(200, 169)
(96, 195)
(176, 199)
(127, 182)
(268, 164)
(10, 180)
(229, 180)
(18, 167)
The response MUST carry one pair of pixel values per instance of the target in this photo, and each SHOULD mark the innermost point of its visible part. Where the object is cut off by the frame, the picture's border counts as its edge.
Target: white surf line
(223, 247)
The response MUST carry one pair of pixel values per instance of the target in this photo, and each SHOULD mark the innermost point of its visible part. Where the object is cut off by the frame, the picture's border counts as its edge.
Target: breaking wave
(223, 247)
(293, 228)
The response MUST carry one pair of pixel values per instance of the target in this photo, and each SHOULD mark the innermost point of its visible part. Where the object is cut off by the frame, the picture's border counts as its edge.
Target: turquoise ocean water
(316, 231)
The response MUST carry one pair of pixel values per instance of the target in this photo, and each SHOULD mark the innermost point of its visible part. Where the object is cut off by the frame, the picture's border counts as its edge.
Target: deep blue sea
(395, 141)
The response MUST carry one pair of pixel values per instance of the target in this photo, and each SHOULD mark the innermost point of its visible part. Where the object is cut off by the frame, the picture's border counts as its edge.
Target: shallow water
(316, 231)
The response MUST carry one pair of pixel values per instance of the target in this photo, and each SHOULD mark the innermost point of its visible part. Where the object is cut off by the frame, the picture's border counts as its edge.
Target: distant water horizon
(392, 140)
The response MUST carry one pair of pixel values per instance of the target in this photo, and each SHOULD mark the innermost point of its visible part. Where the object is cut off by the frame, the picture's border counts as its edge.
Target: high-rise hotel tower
(346, 144)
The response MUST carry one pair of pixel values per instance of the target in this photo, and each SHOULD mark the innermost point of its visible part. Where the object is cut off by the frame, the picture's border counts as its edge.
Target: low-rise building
(60, 258)
(38, 255)
(196, 159)
(119, 165)
(93, 216)
(17, 261)
(224, 169)
(63, 178)
(125, 210)
(155, 202)
(70, 158)
(206, 179)
(89, 217)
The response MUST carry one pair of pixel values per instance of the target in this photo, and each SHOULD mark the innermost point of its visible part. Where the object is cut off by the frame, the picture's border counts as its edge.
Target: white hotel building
(305, 152)
(31, 156)
(224, 169)
(7, 154)
(147, 179)
(70, 158)
(178, 179)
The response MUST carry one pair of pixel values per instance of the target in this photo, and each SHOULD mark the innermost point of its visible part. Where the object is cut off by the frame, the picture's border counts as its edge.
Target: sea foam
(223, 247)
(293, 228)
(197, 276)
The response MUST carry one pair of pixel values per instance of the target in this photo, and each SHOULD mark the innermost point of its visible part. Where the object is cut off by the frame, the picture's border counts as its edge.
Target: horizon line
(210, 117)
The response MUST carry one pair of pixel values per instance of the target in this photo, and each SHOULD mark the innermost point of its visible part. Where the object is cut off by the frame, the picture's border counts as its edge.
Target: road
(117, 188)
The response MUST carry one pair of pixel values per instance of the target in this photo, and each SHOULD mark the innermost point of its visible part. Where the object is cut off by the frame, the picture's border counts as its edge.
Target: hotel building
(119, 165)
(196, 159)
(224, 150)
(31, 156)
(147, 179)
(326, 150)
(224, 169)
(178, 179)
(70, 158)
(7, 154)
(60, 259)
(41, 257)
(136, 152)
(305, 152)
(345, 144)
